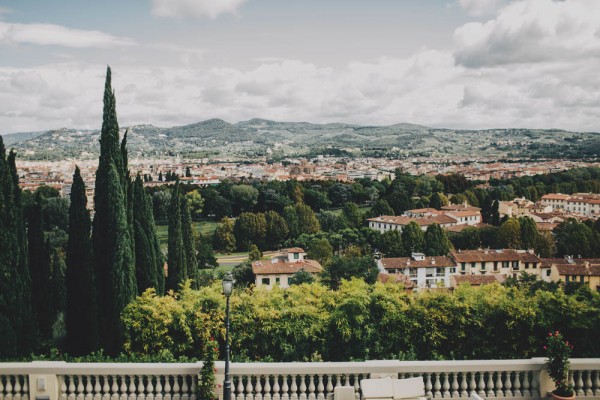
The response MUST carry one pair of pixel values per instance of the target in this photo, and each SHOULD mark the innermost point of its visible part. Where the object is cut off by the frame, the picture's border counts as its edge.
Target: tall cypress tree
(16, 328)
(189, 245)
(40, 271)
(111, 238)
(82, 310)
(148, 256)
(176, 258)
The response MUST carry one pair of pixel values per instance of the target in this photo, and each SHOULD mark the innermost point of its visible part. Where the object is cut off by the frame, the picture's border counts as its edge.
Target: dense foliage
(366, 321)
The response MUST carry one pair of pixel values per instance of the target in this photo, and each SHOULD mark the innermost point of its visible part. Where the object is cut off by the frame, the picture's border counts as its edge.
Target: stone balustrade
(491, 379)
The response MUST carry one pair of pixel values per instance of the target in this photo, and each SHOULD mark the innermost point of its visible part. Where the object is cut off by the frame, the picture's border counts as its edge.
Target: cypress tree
(16, 328)
(187, 232)
(436, 241)
(176, 258)
(111, 238)
(82, 311)
(40, 272)
(148, 257)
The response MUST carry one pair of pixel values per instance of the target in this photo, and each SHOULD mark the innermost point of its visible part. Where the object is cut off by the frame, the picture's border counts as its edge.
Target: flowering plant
(558, 351)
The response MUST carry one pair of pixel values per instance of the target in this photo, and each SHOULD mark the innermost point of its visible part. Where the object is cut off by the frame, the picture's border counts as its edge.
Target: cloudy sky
(442, 63)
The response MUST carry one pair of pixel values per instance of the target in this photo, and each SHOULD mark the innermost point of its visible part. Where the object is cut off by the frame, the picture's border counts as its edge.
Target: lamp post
(227, 289)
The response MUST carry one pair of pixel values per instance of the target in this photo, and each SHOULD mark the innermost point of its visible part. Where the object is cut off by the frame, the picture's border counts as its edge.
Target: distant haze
(458, 64)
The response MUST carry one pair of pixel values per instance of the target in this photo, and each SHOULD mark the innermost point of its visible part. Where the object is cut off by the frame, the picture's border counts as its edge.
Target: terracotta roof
(589, 270)
(423, 210)
(546, 226)
(293, 250)
(408, 262)
(460, 207)
(464, 213)
(494, 255)
(555, 196)
(396, 278)
(285, 267)
(477, 280)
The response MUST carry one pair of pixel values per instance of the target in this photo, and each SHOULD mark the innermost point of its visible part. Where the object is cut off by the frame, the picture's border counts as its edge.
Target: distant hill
(258, 137)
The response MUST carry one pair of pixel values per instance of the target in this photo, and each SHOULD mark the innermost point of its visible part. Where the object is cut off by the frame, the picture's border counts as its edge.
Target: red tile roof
(494, 255)
(408, 262)
(285, 267)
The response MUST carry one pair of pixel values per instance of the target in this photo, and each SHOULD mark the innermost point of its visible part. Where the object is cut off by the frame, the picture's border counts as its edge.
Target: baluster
(276, 388)
(114, 395)
(356, 386)
(437, 386)
(25, 387)
(578, 383)
(526, 392)
(597, 383)
(446, 386)
(249, 388)
(499, 385)
(285, 395)
(176, 388)
(71, 389)
(159, 388)
(80, 387)
(8, 387)
(168, 393)
(508, 385)
(104, 390)
(588, 384)
(268, 395)
(123, 387)
(97, 388)
(17, 388)
(302, 387)
(141, 388)
(534, 389)
(312, 395)
(472, 385)
(454, 384)
(517, 384)
(463, 385)
(194, 387)
(63, 388)
(320, 388)
(428, 385)
(240, 388)
(329, 386)
(149, 388)
(258, 388)
(481, 385)
(571, 381)
(185, 390)
(87, 391)
(294, 388)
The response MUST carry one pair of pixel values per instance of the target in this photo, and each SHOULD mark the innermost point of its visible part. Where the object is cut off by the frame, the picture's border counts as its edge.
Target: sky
(463, 64)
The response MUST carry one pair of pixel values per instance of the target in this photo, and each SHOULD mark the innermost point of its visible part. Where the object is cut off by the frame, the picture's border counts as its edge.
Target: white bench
(393, 389)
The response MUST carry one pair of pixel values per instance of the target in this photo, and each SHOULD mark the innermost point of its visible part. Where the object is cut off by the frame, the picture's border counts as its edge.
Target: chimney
(432, 261)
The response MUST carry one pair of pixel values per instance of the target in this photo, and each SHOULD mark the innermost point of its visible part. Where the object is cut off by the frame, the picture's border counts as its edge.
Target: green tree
(509, 234)
(176, 256)
(40, 271)
(351, 265)
(244, 198)
(436, 241)
(320, 250)
(301, 277)
(307, 219)
(573, 238)
(291, 219)
(390, 243)
(224, 239)
(250, 228)
(254, 254)
(189, 243)
(81, 309)
(529, 233)
(381, 207)
(111, 234)
(206, 255)
(352, 214)
(413, 239)
(195, 203)
(438, 200)
(277, 229)
(149, 260)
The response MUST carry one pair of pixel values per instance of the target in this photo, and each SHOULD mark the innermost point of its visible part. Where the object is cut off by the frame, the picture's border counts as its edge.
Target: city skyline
(456, 64)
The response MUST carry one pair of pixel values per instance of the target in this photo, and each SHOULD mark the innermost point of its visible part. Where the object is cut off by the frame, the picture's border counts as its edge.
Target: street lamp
(227, 289)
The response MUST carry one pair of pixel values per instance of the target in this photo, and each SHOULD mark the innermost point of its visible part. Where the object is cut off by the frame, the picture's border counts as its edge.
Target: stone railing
(491, 379)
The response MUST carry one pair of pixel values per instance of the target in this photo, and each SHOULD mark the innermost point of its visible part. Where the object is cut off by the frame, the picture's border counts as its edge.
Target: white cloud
(532, 31)
(57, 35)
(195, 8)
(479, 8)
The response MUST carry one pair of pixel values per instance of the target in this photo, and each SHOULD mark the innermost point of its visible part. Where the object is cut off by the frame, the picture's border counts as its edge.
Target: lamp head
(228, 284)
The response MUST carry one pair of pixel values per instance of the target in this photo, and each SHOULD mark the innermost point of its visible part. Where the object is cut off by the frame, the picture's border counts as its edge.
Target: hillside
(257, 137)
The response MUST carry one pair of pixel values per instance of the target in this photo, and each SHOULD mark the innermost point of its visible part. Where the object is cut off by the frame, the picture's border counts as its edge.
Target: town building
(581, 204)
(508, 262)
(446, 218)
(282, 267)
(421, 270)
(569, 269)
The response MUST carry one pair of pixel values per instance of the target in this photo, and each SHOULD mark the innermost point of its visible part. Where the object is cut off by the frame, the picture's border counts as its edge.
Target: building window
(473, 264)
(266, 281)
(296, 256)
(515, 265)
(453, 270)
(547, 272)
(463, 266)
(495, 265)
(439, 271)
(289, 280)
(526, 265)
(483, 265)
(278, 280)
(505, 264)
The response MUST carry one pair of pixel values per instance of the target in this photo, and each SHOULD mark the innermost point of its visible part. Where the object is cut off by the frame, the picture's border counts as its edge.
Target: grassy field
(203, 227)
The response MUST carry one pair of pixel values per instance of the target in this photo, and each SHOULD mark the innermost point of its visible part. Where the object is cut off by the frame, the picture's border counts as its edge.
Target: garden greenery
(311, 322)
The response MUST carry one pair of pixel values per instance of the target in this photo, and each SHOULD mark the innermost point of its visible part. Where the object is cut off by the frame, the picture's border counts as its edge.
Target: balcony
(491, 379)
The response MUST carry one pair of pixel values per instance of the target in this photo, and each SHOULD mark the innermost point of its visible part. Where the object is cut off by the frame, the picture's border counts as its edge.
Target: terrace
(491, 379)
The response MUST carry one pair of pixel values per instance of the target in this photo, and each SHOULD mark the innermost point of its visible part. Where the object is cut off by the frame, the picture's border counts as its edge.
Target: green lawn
(203, 227)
